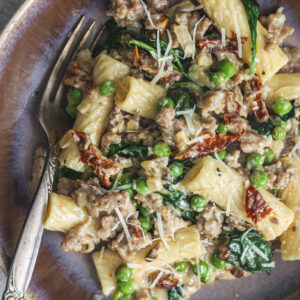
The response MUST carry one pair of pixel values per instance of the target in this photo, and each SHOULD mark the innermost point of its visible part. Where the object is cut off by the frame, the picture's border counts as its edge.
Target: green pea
(217, 78)
(145, 212)
(135, 203)
(126, 287)
(222, 128)
(259, 179)
(217, 262)
(198, 203)
(75, 95)
(298, 129)
(203, 268)
(145, 223)
(130, 191)
(154, 298)
(279, 134)
(162, 150)
(282, 107)
(71, 110)
(165, 102)
(255, 160)
(181, 266)
(269, 156)
(123, 273)
(141, 186)
(279, 122)
(118, 294)
(107, 88)
(226, 67)
(127, 297)
(176, 170)
(206, 278)
(221, 154)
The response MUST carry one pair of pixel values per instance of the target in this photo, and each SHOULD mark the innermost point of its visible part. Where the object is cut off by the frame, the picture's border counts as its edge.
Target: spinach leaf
(182, 98)
(176, 293)
(128, 150)
(250, 251)
(252, 9)
(63, 171)
(180, 202)
(264, 128)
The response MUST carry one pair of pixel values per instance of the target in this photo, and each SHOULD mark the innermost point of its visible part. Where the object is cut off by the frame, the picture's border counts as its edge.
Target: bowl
(29, 47)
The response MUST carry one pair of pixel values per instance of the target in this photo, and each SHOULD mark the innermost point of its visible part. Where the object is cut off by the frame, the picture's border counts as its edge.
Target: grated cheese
(160, 73)
(116, 226)
(135, 225)
(122, 187)
(245, 233)
(269, 265)
(134, 184)
(237, 30)
(194, 35)
(148, 14)
(126, 231)
(244, 253)
(257, 250)
(158, 48)
(284, 194)
(161, 230)
(189, 245)
(101, 254)
(161, 262)
(184, 112)
(192, 8)
(198, 139)
(152, 286)
(135, 266)
(223, 37)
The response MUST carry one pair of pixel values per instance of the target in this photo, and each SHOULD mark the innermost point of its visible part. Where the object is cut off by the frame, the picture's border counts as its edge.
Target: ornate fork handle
(29, 242)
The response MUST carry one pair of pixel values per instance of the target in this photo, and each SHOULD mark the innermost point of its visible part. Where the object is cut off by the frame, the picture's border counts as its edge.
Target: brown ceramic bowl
(28, 48)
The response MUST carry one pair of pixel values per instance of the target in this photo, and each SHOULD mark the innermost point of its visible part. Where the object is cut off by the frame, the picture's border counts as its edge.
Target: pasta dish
(183, 163)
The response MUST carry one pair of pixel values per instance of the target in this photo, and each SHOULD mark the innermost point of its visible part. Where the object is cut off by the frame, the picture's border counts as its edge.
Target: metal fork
(51, 117)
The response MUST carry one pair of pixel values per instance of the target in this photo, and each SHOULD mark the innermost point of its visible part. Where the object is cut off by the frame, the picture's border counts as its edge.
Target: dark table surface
(7, 9)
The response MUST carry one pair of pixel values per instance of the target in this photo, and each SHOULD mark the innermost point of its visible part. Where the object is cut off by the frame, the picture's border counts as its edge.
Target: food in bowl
(182, 166)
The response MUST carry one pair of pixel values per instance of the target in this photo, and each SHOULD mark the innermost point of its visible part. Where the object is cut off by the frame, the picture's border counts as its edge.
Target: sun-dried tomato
(138, 232)
(101, 166)
(224, 252)
(232, 113)
(214, 45)
(214, 143)
(167, 283)
(236, 272)
(253, 93)
(256, 206)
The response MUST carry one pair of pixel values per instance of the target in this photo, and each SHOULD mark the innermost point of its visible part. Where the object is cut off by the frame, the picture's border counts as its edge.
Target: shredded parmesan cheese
(198, 139)
(194, 34)
(135, 266)
(158, 48)
(198, 273)
(162, 263)
(126, 231)
(269, 265)
(257, 250)
(148, 14)
(101, 254)
(161, 230)
(244, 253)
(192, 8)
(237, 30)
(223, 37)
(184, 112)
(152, 286)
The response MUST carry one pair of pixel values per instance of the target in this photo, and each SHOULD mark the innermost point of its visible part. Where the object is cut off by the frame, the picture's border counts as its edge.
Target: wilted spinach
(180, 202)
(252, 9)
(249, 251)
(128, 150)
(63, 171)
(176, 293)
(182, 98)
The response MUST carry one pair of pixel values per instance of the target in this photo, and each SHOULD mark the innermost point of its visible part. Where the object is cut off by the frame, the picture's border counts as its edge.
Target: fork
(51, 118)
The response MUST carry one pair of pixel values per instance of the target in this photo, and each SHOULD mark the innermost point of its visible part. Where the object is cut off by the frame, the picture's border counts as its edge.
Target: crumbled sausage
(277, 31)
(235, 223)
(236, 272)
(125, 11)
(81, 238)
(210, 222)
(79, 72)
(224, 252)
(252, 142)
(66, 186)
(280, 174)
(232, 159)
(212, 102)
(154, 203)
(158, 5)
